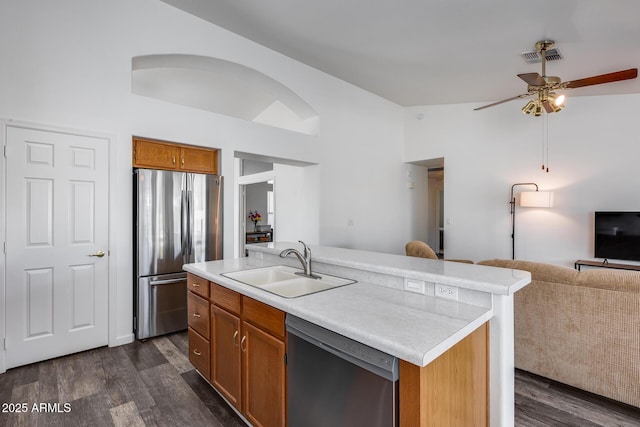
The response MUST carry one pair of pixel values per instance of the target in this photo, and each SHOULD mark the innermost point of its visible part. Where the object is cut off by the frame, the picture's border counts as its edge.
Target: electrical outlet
(413, 285)
(448, 292)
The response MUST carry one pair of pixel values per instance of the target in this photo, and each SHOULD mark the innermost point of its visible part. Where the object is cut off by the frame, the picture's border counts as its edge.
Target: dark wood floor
(153, 384)
(542, 402)
(139, 384)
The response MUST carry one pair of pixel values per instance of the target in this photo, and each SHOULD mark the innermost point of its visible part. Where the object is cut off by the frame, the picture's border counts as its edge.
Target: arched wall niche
(224, 87)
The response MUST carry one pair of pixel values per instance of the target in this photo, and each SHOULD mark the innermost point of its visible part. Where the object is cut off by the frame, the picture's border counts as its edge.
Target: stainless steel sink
(285, 282)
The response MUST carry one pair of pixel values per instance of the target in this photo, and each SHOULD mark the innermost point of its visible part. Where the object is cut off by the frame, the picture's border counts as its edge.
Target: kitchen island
(425, 330)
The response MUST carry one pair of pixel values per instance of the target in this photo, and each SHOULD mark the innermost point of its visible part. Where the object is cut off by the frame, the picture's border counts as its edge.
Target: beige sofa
(580, 328)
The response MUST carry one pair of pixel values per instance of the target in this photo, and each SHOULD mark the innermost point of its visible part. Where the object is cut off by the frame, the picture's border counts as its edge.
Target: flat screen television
(617, 235)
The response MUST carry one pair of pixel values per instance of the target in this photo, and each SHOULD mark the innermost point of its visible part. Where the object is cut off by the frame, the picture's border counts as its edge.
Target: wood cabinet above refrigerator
(155, 154)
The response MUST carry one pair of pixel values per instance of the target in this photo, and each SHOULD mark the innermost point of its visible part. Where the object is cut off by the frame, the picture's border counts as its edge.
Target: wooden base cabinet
(263, 362)
(226, 374)
(453, 390)
(248, 368)
(198, 319)
(246, 351)
(242, 353)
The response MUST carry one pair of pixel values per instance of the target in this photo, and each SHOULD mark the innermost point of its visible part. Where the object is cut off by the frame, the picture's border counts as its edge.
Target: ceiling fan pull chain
(545, 142)
(544, 126)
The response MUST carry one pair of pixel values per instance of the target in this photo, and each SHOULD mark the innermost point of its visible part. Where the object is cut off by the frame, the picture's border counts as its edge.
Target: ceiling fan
(543, 86)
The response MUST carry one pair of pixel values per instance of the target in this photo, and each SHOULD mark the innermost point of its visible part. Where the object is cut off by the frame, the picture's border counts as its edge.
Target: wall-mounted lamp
(528, 199)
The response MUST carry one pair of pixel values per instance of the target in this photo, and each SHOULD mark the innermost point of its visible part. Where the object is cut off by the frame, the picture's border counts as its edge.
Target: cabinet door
(203, 160)
(264, 396)
(154, 154)
(225, 354)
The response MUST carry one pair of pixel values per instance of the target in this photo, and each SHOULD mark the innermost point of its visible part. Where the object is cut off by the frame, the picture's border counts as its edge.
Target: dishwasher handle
(369, 358)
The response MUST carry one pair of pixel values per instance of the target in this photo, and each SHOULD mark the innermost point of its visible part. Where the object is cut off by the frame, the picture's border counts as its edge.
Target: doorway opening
(287, 194)
(428, 204)
(436, 209)
(257, 203)
(259, 212)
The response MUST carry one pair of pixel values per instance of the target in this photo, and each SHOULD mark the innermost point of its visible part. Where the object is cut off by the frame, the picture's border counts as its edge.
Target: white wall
(67, 63)
(594, 147)
(297, 204)
(364, 198)
(417, 183)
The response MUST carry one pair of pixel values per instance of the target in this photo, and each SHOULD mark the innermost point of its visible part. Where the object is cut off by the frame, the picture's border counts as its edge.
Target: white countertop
(501, 281)
(414, 327)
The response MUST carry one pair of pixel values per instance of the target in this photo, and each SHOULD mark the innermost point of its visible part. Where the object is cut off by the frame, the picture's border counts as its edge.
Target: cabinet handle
(195, 284)
(197, 353)
(235, 339)
(243, 347)
(183, 161)
(196, 315)
(173, 160)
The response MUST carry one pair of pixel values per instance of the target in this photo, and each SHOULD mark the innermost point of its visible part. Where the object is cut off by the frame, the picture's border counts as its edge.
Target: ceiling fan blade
(631, 73)
(524, 95)
(533, 79)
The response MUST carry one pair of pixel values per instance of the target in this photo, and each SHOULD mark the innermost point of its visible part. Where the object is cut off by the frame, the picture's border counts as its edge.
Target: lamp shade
(536, 199)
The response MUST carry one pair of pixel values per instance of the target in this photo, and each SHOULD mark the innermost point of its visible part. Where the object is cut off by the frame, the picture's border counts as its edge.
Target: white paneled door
(57, 236)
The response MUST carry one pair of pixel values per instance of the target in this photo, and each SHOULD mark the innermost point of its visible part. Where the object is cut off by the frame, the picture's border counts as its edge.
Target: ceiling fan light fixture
(556, 103)
(556, 107)
(529, 107)
(538, 110)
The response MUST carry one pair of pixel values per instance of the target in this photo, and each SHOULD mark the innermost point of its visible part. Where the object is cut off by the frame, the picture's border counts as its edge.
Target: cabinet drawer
(199, 353)
(198, 314)
(263, 316)
(225, 298)
(198, 285)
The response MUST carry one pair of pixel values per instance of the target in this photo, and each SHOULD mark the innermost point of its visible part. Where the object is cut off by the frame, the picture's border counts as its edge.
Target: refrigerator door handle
(166, 282)
(191, 221)
(184, 225)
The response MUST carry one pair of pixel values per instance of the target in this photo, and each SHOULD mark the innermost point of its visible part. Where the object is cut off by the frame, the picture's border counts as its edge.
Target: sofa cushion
(609, 279)
(538, 270)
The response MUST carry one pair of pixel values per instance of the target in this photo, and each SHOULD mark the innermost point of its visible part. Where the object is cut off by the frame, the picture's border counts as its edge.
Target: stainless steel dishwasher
(336, 381)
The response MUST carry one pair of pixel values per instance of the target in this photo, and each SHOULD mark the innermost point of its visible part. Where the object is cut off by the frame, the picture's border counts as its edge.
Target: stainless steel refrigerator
(177, 220)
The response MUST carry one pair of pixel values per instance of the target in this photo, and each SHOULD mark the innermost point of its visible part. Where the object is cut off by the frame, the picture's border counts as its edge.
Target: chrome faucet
(304, 258)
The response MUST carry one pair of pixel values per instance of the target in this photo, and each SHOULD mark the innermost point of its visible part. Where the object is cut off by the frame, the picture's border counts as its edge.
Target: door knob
(99, 254)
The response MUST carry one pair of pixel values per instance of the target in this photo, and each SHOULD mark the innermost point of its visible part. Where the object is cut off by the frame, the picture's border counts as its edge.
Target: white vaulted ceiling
(421, 52)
